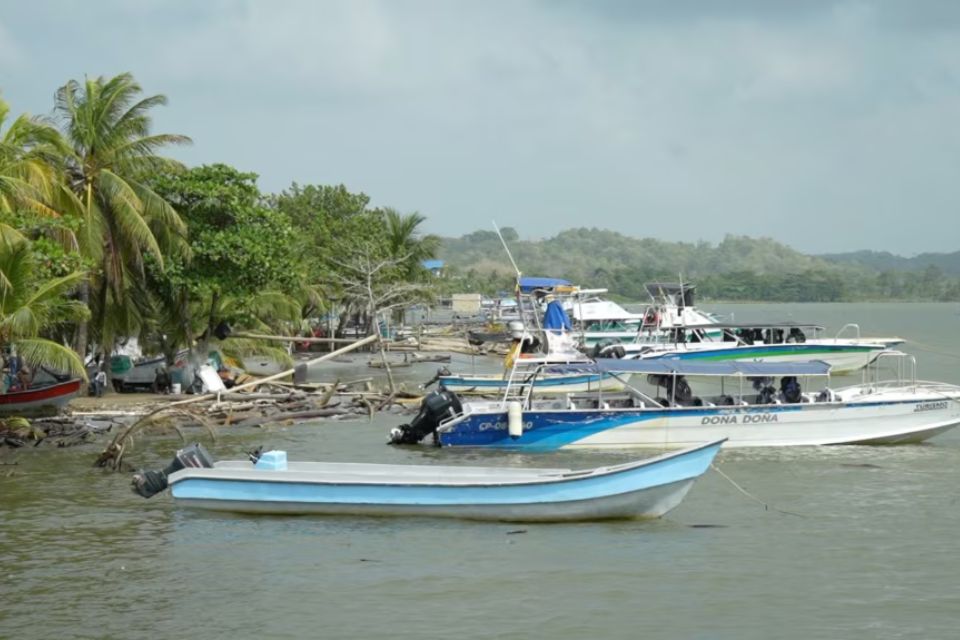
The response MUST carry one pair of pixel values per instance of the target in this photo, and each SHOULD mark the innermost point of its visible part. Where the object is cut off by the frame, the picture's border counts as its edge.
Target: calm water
(871, 553)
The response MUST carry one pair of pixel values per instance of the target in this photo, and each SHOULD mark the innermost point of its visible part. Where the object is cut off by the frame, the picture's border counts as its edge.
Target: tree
(405, 243)
(243, 268)
(28, 171)
(31, 306)
(111, 153)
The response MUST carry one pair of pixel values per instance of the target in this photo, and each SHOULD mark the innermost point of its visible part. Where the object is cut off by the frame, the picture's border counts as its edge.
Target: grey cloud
(822, 124)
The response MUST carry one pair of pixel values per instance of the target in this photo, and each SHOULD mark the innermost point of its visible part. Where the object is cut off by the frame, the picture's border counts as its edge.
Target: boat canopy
(666, 366)
(682, 293)
(756, 325)
(529, 284)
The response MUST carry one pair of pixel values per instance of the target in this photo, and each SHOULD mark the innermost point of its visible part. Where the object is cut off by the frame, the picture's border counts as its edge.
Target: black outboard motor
(436, 407)
(442, 371)
(150, 483)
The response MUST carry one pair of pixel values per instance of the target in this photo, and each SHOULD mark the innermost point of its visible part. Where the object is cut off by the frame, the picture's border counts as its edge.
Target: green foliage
(738, 268)
(32, 306)
(237, 244)
(244, 265)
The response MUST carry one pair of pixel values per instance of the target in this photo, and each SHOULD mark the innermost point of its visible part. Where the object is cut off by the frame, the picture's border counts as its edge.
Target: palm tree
(405, 242)
(106, 124)
(30, 307)
(29, 174)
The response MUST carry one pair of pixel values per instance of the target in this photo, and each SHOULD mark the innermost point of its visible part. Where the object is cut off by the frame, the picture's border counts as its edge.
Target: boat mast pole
(507, 249)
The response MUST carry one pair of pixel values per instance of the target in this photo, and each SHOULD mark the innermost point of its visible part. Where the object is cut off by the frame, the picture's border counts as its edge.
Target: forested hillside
(949, 263)
(738, 268)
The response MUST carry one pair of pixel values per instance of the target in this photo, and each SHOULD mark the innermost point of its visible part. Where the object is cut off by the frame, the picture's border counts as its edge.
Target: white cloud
(644, 117)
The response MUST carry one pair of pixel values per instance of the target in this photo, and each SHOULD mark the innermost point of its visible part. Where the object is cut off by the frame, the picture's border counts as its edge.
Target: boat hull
(841, 358)
(43, 400)
(879, 421)
(648, 489)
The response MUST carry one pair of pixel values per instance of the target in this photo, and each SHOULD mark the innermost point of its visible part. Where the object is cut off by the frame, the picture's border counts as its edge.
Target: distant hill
(948, 263)
(737, 268)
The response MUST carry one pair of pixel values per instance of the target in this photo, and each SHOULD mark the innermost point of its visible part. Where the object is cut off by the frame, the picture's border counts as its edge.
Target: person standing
(99, 382)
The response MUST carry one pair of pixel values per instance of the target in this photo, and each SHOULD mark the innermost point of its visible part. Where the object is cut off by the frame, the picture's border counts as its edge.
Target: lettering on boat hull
(750, 418)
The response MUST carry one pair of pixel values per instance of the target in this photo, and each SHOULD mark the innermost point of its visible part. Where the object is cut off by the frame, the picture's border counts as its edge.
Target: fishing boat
(39, 400)
(743, 403)
(604, 322)
(544, 358)
(643, 489)
(545, 376)
(759, 342)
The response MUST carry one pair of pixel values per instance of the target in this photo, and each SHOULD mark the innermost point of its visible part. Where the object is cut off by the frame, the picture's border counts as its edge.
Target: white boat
(603, 322)
(743, 406)
(546, 376)
(647, 488)
(758, 342)
(544, 358)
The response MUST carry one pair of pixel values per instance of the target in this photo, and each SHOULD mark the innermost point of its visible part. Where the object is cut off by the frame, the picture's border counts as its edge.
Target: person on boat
(99, 382)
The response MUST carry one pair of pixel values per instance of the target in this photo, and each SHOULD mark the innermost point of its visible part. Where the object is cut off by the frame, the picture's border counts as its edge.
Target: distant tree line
(738, 268)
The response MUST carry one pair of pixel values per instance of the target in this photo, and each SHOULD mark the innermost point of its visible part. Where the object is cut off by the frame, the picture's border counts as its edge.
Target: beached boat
(743, 405)
(647, 488)
(45, 399)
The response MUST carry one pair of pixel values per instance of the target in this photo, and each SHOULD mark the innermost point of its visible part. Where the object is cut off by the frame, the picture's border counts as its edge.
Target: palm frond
(40, 351)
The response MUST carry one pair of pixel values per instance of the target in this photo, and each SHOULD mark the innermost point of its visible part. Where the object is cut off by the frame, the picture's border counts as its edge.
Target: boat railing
(906, 371)
(849, 325)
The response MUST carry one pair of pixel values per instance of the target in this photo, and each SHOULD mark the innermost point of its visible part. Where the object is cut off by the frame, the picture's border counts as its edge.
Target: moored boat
(646, 488)
(744, 406)
(44, 399)
(760, 342)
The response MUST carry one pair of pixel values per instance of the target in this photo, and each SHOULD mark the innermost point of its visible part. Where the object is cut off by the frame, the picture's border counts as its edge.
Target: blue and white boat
(544, 358)
(758, 342)
(742, 404)
(644, 489)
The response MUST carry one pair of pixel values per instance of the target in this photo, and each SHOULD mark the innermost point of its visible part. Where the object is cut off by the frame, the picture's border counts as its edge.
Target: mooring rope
(766, 506)
(929, 348)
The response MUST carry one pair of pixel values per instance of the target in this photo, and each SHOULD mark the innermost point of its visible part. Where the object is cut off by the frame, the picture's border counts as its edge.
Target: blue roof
(432, 264)
(727, 368)
(528, 284)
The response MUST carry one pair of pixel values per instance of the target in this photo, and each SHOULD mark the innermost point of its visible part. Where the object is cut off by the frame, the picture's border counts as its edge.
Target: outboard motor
(435, 408)
(442, 371)
(613, 351)
(602, 349)
(150, 483)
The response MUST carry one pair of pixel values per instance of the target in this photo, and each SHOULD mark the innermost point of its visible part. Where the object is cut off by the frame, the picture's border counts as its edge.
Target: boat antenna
(507, 249)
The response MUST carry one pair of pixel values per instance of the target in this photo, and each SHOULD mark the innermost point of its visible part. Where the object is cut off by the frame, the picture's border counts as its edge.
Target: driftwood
(112, 455)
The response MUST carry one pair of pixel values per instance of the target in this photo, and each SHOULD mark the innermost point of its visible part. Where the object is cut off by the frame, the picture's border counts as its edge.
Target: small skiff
(644, 489)
(39, 400)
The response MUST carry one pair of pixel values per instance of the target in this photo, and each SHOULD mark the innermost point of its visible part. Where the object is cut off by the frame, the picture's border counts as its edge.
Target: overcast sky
(829, 125)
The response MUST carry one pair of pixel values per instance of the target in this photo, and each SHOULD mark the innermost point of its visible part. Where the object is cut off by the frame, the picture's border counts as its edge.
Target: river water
(856, 542)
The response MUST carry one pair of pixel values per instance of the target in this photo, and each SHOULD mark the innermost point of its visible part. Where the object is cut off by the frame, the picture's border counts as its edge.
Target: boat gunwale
(565, 476)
